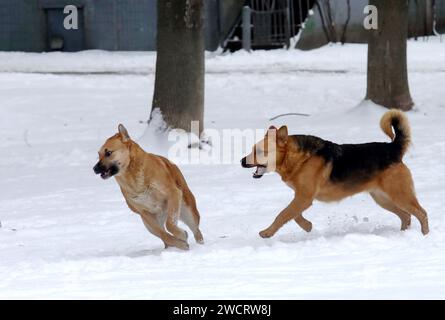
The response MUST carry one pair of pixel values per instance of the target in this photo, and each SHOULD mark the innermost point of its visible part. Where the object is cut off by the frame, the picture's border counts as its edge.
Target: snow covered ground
(68, 234)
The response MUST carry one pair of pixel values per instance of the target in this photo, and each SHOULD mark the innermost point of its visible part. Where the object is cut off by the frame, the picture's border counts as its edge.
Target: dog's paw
(184, 236)
(308, 227)
(177, 243)
(198, 237)
(183, 245)
(266, 233)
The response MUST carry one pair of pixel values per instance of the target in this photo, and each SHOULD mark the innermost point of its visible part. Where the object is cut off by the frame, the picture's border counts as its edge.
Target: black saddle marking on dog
(351, 163)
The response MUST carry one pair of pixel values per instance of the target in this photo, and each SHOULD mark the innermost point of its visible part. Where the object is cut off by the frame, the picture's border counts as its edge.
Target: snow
(68, 234)
(332, 57)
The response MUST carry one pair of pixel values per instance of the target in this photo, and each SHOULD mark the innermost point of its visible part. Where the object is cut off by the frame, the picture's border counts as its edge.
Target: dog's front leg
(294, 210)
(305, 224)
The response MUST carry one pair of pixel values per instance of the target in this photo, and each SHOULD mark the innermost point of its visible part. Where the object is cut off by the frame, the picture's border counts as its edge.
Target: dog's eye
(108, 153)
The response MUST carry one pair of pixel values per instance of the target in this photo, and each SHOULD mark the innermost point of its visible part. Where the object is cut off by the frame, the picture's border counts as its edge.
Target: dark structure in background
(342, 21)
(318, 22)
(59, 38)
(36, 25)
(126, 25)
(272, 24)
(32, 25)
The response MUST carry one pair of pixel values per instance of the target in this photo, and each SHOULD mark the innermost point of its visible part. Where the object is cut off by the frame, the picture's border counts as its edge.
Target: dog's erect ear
(282, 135)
(123, 132)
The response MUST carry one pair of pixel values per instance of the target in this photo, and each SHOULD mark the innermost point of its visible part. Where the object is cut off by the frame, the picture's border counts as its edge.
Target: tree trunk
(179, 82)
(387, 67)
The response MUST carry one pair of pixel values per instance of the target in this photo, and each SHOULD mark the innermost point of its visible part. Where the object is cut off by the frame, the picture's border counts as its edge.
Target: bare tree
(179, 82)
(387, 66)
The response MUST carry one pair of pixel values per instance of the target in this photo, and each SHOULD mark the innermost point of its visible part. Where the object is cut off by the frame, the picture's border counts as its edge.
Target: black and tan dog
(153, 187)
(318, 169)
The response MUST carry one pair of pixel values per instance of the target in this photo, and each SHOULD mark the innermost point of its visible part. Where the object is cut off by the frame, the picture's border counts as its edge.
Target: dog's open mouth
(106, 174)
(260, 171)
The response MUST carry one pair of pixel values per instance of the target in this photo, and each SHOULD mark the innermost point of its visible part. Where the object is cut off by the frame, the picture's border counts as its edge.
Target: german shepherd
(318, 169)
(153, 187)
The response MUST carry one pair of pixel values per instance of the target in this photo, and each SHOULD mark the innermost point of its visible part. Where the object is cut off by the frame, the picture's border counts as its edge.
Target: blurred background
(36, 25)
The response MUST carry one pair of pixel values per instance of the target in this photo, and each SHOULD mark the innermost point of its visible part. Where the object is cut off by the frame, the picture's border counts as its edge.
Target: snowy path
(68, 234)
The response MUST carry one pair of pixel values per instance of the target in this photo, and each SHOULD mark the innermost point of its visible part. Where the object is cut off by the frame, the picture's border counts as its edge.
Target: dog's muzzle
(105, 172)
(260, 169)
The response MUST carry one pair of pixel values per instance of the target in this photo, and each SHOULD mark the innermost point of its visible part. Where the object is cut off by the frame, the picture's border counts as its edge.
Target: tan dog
(318, 169)
(153, 187)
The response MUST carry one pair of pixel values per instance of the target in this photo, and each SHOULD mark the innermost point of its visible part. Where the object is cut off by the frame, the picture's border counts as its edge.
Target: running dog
(153, 187)
(318, 169)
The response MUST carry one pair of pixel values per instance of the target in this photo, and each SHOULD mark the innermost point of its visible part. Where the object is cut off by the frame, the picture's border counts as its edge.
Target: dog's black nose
(243, 162)
(98, 168)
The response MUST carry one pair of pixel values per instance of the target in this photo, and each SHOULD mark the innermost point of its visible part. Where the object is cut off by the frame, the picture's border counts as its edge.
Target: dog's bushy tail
(401, 137)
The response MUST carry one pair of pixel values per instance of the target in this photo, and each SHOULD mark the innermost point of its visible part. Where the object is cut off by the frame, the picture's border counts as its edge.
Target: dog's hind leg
(162, 218)
(152, 224)
(397, 183)
(174, 203)
(190, 216)
(383, 201)
(411, 205)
